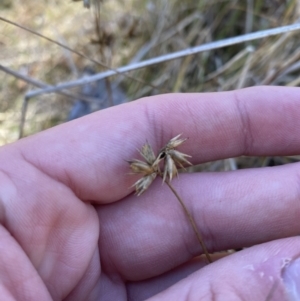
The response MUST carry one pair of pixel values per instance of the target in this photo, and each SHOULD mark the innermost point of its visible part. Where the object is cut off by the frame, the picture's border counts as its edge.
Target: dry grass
(135, 31)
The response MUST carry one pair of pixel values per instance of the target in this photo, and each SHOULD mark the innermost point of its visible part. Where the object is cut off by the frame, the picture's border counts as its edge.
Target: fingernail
(291, 279)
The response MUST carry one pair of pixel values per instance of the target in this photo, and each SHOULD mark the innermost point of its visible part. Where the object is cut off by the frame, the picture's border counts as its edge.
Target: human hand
(71, 229)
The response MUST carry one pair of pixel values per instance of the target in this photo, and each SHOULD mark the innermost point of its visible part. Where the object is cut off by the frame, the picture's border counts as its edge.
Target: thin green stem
(199, 237)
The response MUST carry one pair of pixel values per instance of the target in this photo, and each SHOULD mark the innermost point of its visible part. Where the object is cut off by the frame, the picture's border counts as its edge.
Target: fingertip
(250, 274)
(291, 279)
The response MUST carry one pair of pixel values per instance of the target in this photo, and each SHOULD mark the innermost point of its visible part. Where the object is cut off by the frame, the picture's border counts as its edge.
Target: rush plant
(151, 168)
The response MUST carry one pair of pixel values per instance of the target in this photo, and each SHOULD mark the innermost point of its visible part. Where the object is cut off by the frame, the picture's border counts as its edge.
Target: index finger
(89, 154)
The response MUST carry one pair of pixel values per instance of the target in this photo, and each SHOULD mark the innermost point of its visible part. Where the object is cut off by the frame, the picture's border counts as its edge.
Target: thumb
(270, 271)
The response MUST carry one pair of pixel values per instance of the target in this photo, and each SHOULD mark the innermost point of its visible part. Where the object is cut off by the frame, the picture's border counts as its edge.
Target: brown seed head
(142, 184)
(173, 157)
(170, 170)
(148, 153)
(138, 166)
(179, 158)
(150, 169)
(175, 142)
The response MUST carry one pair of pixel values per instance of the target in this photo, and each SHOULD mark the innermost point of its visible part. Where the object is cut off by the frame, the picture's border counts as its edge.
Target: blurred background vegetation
(119, 32)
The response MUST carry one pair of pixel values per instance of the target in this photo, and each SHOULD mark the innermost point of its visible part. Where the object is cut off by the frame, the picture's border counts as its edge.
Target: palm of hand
(70, 230)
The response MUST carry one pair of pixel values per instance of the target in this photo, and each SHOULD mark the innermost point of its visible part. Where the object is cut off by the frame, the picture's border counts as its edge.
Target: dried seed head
(138, 166)
(150, 169)
(173, 157)
(148, 153)
(179, 158)
(174, 142)
(170, 170)
(142, 184)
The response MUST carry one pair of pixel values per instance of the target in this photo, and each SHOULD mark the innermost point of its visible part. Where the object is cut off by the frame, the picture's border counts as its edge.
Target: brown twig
(189, 216)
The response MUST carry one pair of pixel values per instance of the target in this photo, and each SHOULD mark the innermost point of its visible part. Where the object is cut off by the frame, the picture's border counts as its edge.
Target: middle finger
(148, 235)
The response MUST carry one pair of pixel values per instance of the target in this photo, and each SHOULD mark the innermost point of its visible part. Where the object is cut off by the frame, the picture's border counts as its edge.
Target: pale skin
(72, 229)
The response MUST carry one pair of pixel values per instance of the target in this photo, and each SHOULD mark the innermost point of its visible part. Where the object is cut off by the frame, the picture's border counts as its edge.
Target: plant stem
(199, 237)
